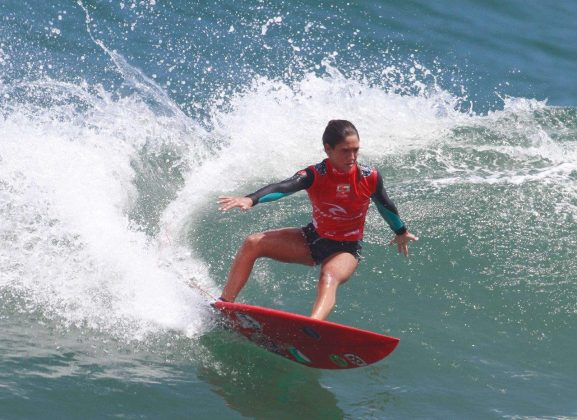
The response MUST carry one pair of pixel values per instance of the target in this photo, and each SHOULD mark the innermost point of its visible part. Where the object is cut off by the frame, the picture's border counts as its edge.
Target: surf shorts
(322, 248)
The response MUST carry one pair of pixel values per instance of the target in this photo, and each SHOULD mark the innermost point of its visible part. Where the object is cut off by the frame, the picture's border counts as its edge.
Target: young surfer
(340, 190)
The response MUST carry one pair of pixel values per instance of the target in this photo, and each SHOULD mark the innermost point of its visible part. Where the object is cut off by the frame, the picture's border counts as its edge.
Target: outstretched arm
(299, 181)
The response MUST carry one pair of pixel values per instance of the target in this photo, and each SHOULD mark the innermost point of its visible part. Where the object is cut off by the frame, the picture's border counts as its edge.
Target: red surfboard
(313, 343)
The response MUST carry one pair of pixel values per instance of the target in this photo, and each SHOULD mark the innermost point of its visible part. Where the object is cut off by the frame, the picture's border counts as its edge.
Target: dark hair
(337, 131)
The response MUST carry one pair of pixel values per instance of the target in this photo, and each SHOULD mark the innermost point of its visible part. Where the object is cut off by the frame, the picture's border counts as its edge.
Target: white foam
(66, 189)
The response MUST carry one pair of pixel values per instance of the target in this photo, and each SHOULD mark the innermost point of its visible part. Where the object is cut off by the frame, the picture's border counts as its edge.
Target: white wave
(68, 246)
(552, 174)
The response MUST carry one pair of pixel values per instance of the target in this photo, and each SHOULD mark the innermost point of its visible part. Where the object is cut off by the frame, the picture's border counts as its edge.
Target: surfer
(340, 190)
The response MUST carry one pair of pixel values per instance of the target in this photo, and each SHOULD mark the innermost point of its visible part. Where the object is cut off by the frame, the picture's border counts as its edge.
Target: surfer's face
(344, 155)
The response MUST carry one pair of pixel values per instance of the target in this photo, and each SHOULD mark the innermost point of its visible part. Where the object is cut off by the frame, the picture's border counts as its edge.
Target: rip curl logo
(335, 210)
(343, 190)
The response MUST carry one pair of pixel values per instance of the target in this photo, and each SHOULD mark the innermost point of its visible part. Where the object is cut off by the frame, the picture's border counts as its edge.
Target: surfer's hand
(227, 203)
(402, 242)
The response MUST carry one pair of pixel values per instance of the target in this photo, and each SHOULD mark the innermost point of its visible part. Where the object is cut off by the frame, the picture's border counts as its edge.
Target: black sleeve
(387, 208)
(299, 181)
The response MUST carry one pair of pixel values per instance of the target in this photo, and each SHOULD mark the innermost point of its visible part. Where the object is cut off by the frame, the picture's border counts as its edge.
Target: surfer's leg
(286, 245)
(335, 270)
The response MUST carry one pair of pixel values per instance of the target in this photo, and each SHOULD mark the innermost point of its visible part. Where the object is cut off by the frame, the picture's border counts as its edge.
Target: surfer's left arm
(390, 214)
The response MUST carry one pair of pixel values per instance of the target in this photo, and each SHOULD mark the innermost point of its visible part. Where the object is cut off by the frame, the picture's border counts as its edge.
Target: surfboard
(310, 342)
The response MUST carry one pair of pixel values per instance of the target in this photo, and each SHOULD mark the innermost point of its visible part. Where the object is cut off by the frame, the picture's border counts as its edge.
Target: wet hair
(337, 131)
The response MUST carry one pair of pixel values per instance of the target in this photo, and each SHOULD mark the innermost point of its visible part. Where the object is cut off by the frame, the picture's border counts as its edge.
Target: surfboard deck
(310, 342)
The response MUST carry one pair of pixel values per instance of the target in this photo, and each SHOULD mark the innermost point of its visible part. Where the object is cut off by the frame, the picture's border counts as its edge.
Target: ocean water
(121, 122)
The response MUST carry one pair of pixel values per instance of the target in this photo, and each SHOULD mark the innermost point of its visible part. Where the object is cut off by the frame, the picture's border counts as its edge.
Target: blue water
(122, 121)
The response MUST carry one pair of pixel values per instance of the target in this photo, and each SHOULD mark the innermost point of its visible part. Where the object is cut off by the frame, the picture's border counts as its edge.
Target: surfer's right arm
(299, 181)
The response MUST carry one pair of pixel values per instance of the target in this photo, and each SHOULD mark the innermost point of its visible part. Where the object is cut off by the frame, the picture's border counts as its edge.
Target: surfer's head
(337, 131)
(341, 141)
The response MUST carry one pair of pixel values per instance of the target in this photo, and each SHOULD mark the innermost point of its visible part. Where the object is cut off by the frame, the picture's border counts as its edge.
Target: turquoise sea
(121, 121)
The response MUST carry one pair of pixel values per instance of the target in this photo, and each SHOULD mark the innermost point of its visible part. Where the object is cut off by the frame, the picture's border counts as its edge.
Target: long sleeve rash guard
(304, 179)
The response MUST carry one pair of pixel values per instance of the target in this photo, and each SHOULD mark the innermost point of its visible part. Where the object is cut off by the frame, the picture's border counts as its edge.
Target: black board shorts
(322, 248)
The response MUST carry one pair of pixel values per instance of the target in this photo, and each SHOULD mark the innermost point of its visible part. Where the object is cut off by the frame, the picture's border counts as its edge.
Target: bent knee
(327, 279)
(253, 242)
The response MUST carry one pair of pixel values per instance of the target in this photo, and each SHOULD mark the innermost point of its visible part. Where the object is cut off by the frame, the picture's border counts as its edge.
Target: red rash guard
(340, 200)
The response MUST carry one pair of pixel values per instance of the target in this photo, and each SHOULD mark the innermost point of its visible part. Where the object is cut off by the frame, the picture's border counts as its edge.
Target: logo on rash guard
(353, 232)
(335, 210)
(343, 190)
